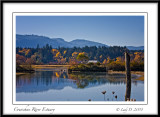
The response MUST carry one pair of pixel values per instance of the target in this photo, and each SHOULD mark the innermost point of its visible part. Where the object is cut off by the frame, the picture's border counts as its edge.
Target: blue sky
(109, 30)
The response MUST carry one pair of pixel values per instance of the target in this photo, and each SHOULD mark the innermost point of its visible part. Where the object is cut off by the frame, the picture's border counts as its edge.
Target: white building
(92, 61)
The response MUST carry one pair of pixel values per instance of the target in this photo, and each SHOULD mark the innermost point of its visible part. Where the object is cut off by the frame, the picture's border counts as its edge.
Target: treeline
(111, 56)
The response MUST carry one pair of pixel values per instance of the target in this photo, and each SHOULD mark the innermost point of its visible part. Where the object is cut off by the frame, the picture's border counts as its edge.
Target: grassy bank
(21, 73)
(87, 68)
(24, 69)
(48, 66)
(132, 72)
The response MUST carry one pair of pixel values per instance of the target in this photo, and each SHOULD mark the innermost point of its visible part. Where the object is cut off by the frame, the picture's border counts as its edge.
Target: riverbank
(48, 66)
(21, 69)
(21, 73)
(140, 73)
(86, 68)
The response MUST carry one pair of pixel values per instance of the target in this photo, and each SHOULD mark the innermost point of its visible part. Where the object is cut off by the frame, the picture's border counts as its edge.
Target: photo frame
(16, 104)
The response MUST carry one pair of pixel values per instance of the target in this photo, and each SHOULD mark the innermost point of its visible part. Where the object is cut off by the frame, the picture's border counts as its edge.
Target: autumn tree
(30, 61)
(137, 64)
(36, 58)
(120, 59)
(74, 54)
(64, 52)
(20, 59)
(82, 57)
(25, 52)
(139, 56)
(109, 60)
(54, 51)
(105, 61)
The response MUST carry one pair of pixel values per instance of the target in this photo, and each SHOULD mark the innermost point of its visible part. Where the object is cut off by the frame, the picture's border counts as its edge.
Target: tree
(54, 51)
(109, 60)
(25, 52)
(73, 61)
(58, 55)
(119, 59)
(63, 61)
(139, 56)
(82, 57)
(74, 54)
(37, 58)
(30, 61)
(105, 61)
(20, 59)
(64, 52)
(37, 46)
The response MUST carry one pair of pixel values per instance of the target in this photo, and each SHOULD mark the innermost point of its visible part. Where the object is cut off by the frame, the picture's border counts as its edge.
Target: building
(92, 61)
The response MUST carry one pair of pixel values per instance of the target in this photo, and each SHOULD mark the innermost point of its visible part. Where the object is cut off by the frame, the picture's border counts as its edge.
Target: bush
(137, 66)
(90, 64)
(87, 68)
(119, 66)
(116, 66)
(24, 68)
(98, 63)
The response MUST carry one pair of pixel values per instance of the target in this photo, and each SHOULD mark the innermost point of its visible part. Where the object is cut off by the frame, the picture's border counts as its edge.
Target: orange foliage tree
(20, 59)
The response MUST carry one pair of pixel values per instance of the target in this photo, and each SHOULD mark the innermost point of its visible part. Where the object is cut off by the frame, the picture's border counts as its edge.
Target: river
(59, 85)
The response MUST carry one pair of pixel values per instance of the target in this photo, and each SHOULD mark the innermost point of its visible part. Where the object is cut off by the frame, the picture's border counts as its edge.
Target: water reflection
(58, 85)
(45, 80)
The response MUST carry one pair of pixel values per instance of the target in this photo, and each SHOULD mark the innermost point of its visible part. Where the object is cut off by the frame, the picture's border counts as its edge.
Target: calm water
(52, 85)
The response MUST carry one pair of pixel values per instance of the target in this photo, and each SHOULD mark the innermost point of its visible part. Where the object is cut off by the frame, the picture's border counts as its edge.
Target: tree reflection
(81, 80)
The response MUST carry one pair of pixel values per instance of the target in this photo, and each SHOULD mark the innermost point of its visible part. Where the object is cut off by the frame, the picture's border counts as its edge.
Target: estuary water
(59, 85)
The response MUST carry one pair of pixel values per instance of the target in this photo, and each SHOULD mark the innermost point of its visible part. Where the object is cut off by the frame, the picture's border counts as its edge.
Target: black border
(75, 103)
(61, 1)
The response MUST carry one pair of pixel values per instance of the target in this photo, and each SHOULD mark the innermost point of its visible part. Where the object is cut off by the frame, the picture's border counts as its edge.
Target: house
(92, 61)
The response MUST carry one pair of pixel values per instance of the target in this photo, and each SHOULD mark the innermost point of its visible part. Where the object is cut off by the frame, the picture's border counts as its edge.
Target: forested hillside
(49, 55)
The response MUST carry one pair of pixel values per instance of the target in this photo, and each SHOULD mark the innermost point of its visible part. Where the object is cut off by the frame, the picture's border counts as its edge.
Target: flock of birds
(104, 92)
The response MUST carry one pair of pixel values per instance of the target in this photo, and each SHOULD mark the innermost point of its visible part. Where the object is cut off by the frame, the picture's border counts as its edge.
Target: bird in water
(89, 100)
(128, 99)
(113, 95)
(131, 100)
(103, 92)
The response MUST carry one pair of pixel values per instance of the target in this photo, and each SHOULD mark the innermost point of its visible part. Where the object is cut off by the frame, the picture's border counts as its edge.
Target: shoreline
(21, 73)
(140, 73)
(48, 66)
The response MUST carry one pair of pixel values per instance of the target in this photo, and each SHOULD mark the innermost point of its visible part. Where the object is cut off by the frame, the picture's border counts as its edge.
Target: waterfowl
(103, 92)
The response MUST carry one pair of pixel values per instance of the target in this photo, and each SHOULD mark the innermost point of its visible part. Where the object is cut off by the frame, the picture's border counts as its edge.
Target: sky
(109, 30)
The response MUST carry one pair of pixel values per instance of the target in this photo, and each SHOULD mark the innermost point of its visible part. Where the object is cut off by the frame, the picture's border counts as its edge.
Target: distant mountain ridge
(135, 48)
(82, 43)
(32, 41)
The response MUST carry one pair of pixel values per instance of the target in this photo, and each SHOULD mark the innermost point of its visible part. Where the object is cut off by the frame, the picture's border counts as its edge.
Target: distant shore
(49, 66)
(141, 73)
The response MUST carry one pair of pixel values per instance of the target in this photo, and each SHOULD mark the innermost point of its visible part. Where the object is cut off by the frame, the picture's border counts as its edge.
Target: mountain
(135, 48)
(82, 43)
(32, 41)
